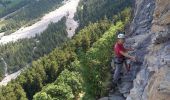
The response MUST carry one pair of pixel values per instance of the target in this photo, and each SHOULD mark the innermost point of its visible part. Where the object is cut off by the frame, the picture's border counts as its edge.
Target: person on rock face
(121, 54)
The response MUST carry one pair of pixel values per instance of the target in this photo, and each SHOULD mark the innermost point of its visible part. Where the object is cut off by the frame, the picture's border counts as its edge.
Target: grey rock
(164, 87)
(167, 49)
(167, 60)
(161, 37)
(142, 17)
(127, 78)
(125, 87)
(153, 50)
(125, 95)
(116, 97)
(104, 98)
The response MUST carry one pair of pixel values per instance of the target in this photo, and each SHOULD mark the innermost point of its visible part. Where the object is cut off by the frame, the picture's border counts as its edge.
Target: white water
(68, 9)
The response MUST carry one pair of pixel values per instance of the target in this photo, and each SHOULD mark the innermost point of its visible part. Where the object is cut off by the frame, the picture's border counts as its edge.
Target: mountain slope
(19, 54)
(93, 10)
(41, 38)
(10, 6)
(47, 76)
(29, 14)
(47, 69)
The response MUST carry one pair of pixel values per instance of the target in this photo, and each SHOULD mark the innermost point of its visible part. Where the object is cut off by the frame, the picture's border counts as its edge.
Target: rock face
(144, 10)
(151, 35)
(161, 21)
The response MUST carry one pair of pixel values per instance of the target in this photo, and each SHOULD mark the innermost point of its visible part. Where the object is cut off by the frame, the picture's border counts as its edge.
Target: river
(68, 10)
(8, 77)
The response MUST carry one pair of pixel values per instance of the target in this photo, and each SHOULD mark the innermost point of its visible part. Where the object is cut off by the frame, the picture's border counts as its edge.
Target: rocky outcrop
(161, 22)
(143, 12)
(151, 35)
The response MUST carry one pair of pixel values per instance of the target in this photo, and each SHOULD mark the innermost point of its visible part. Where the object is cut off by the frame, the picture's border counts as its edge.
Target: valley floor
(68, 10)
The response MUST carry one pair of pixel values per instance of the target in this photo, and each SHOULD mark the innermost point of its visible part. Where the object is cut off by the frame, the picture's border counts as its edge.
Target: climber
(121, 54)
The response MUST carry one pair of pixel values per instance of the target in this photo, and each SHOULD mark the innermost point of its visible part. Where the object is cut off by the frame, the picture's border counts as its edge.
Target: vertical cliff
(150, 35)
